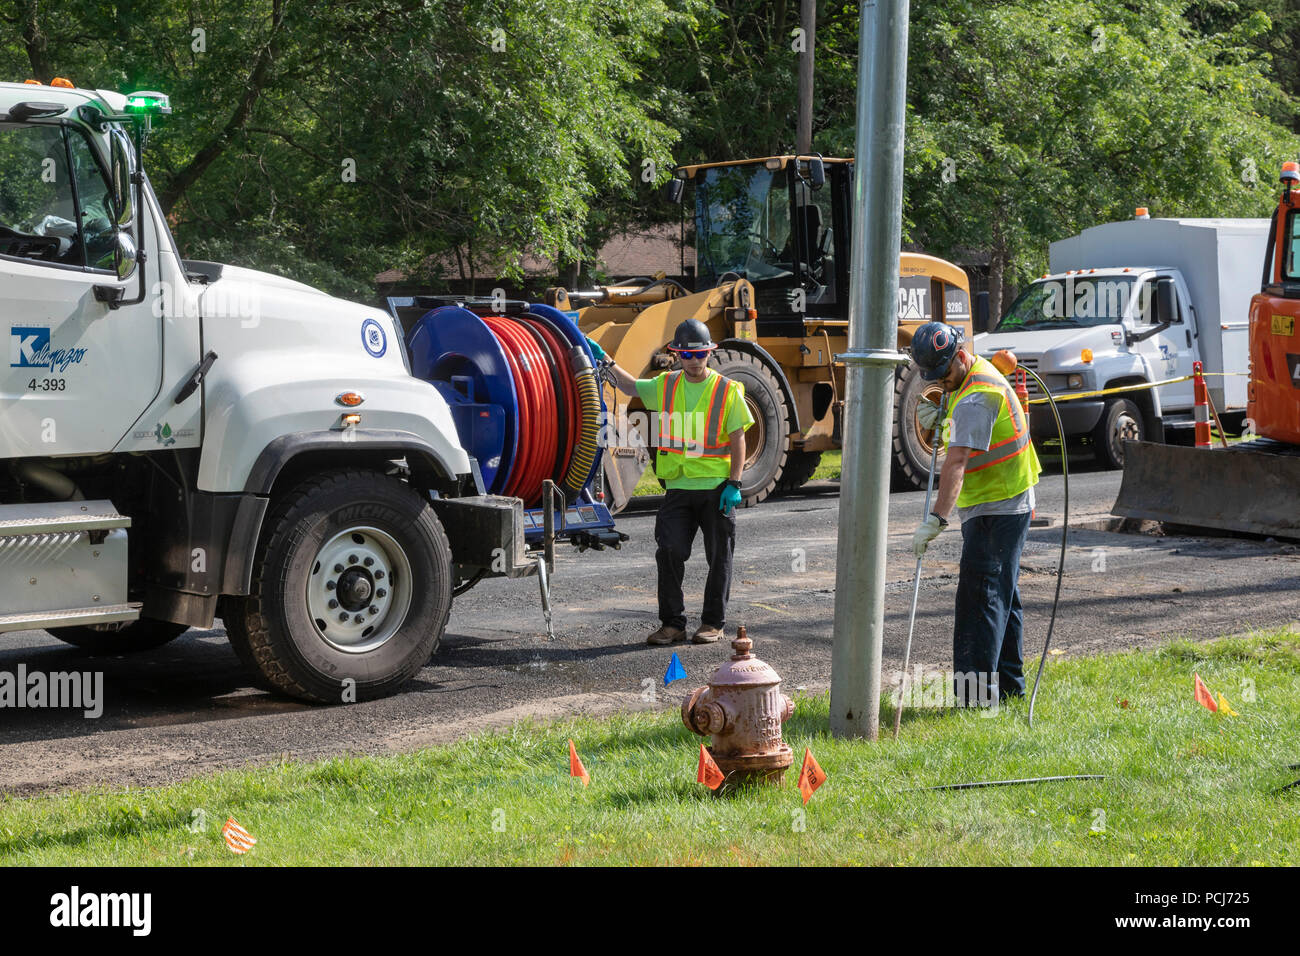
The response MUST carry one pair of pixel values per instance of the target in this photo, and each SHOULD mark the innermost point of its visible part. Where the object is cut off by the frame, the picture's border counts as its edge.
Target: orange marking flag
(1203, 695)
(237, 838)
(576, 769)
(708, 773)
(811, 776)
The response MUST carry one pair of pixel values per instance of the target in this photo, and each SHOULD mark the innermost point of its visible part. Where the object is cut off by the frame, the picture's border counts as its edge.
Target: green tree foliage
(340, 139)
(1050, 116)
(481, 131)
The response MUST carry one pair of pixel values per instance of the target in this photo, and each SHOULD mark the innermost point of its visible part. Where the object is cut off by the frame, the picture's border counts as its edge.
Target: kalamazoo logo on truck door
(31, 347)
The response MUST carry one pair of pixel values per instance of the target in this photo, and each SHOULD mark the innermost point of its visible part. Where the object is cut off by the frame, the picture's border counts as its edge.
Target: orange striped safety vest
(1010, 465)
(694, 442)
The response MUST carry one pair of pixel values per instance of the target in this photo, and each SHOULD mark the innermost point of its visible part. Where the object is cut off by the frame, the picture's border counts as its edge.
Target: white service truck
(182, 440)
(1136, 302)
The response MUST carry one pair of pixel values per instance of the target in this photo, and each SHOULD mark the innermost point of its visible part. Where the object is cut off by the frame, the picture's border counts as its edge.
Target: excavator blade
(1252, 487)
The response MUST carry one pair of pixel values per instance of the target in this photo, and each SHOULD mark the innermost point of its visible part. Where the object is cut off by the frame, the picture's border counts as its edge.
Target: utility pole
(808, 22)
(869, 373)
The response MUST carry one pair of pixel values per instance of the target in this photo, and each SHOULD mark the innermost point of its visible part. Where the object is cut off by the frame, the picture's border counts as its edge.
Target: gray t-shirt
(973, 419)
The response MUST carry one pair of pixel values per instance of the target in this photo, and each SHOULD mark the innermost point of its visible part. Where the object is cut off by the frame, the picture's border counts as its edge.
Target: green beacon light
(148, 103)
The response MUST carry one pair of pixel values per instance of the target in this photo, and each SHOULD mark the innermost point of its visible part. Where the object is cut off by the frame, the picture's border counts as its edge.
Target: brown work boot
(667, 635)
(707, 634)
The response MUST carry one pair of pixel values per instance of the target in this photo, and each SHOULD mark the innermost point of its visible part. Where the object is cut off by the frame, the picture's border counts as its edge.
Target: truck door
(1169, 353)
(77, 374)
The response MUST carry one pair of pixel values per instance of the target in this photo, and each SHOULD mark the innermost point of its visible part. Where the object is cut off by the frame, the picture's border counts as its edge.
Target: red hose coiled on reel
(549, 409)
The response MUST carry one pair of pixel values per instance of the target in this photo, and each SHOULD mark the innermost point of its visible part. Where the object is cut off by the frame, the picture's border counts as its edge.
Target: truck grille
(1030, 384)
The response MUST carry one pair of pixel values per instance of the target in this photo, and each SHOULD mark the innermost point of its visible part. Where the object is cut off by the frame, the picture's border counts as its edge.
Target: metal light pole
(869, 373)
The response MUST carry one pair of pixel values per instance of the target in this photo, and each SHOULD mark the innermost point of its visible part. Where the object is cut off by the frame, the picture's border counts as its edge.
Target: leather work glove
(730, 498)
(927, 413)
(926, 532)
(597, 351)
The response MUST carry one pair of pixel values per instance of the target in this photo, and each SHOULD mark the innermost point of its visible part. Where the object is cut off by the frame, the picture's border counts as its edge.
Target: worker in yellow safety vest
(989, 473)
(699, 456)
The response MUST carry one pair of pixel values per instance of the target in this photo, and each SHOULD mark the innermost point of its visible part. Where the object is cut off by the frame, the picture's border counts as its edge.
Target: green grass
(1183, 787)
(828, 469)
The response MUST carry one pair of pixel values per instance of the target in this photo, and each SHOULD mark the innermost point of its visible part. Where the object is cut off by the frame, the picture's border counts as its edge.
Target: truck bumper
(1077, 418)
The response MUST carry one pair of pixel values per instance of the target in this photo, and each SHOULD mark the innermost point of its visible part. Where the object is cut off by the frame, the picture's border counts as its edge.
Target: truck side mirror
(981, 323)
(125, 254)
(1164, 301)
(121, 173)
(816, 172)
(673, 191)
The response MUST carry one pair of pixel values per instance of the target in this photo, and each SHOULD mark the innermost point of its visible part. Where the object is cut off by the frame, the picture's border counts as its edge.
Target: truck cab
(185, 440)
(1108, 319)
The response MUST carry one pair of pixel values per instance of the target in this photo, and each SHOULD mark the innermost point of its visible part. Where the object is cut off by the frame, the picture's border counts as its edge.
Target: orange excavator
(1252, 486)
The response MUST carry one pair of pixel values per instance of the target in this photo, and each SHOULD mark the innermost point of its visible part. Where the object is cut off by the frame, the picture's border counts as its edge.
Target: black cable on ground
(1065, 529)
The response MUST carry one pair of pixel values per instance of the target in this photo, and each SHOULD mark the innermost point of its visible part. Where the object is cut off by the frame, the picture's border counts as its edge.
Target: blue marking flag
(675, 671)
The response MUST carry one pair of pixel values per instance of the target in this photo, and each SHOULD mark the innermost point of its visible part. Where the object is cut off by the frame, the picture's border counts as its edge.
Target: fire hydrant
(743, 709)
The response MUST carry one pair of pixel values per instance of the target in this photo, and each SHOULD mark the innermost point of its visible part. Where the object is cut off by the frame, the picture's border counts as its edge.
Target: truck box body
(1219, 260)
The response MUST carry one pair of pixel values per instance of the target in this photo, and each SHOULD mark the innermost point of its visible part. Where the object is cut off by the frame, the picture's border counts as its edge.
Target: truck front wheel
(351, 589)
(1121, 421)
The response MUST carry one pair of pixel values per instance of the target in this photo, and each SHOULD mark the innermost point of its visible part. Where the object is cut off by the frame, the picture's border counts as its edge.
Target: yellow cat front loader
(772, 284)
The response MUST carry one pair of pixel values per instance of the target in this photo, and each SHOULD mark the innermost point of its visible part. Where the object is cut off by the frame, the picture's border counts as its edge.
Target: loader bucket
(1247, 487)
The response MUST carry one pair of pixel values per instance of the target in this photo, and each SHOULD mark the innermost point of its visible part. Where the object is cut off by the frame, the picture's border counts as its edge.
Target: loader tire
(129, 637)
(767, 440)
(351, 589)
(1121, 421)
(912, 445)
(799, 467)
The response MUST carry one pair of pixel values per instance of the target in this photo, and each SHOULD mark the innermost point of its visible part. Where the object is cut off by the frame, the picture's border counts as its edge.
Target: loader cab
(769, 221)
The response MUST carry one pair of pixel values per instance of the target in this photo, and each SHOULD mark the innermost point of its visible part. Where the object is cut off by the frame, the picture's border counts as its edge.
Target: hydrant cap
(744, 669)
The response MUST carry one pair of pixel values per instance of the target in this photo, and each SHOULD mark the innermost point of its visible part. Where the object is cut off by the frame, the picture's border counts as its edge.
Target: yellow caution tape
(1124, 388)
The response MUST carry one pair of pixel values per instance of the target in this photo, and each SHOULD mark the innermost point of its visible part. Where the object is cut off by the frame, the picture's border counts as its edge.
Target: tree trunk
(808, 21)
(35, 43)
(997, 270)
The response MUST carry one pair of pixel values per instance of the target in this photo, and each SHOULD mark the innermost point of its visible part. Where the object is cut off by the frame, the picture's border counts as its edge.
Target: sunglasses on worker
(692, 353)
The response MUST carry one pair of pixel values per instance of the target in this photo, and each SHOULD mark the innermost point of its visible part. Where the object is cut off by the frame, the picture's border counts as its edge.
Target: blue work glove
(597, 351)
(926, 532)
(730, 498)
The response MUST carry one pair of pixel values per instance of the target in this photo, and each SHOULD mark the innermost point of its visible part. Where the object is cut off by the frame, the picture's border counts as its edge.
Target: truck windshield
(742, 224)
(1069, 303)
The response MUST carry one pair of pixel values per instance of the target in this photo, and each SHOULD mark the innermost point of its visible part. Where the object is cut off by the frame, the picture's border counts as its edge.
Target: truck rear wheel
(767, 440)
(1121, 421)
(912, 445)
(352, 583)
(128, 637)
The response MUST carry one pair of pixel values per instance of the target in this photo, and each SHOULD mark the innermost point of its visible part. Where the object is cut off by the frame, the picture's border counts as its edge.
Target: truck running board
(73, 558)
(1251, 487)
(41, 620)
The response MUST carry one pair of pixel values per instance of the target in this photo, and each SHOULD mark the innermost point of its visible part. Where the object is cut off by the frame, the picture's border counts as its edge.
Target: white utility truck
(184, 440)
(1136, 302)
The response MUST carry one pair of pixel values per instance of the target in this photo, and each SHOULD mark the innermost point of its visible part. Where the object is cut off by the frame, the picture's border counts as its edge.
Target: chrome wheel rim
(359, 589)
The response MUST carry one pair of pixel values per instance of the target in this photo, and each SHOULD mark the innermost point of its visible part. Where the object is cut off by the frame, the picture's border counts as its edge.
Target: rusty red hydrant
(743, 709)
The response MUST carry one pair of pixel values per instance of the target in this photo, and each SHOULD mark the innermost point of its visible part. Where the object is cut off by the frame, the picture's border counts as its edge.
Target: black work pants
(684, 512)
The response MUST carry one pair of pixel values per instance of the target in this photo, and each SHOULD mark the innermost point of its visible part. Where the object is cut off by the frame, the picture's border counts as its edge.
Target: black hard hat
(933, 346)
(692, 335)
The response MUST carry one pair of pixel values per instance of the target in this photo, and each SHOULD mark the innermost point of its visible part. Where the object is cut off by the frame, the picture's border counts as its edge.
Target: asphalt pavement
(188, 707)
